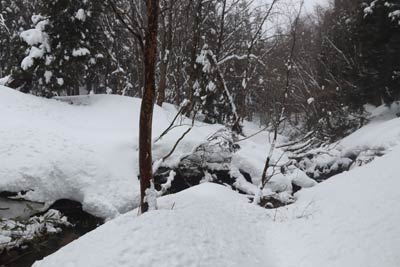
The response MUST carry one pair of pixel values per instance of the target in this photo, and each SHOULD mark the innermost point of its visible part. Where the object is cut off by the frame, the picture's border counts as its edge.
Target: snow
(28, 61)
(211, 86)
(382, 132)
(80, 52)
(84, 148)
(4, 80)
(80, 15)
(395, 15)
(207, 225)
(85, 152)
(15, 232)
(253, 153)
(32, 36)
(349, 220)
(47, 75)
(60, 81)
(37, 39)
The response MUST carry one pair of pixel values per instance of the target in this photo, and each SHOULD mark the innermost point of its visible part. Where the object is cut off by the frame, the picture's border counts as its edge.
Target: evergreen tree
(380, 38)
(63, 46)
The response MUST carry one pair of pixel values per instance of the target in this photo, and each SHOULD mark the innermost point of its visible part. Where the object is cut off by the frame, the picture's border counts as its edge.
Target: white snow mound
(206, 225)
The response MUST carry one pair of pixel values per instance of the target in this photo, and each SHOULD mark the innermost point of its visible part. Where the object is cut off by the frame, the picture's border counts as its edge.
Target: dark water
(48, 244)
(22, 209)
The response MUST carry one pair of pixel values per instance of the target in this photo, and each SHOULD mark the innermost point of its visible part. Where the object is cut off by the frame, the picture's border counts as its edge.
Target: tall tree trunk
(193, 54)
(165, 55)
(146, 111)
(163, 79)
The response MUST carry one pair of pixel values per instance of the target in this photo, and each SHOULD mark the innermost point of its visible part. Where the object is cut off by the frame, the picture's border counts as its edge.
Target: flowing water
(47, 244)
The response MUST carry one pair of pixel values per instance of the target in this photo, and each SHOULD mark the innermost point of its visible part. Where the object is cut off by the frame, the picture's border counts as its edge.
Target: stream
(47, 244)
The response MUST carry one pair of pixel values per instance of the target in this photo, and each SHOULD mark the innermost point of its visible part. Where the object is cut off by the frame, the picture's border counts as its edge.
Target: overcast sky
(288, 10)
(308, 4)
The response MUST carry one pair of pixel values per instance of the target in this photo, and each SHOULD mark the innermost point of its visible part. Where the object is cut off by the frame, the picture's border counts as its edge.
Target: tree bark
(146, 111)
(193, 54)
(166, 50)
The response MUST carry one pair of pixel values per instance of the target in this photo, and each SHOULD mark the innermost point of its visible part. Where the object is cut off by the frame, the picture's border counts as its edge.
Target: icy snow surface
(350, 220)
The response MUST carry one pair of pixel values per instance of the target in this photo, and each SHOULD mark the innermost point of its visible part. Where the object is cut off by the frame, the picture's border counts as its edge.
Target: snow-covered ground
(382, 131)
(349, 221)
(85, 149)
(85, 152)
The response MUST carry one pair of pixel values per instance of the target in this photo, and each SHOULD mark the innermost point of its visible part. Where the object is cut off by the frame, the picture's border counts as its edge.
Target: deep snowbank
(350, 220)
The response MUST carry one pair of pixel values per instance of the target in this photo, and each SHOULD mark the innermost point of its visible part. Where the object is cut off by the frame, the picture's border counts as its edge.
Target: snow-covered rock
(16, 232)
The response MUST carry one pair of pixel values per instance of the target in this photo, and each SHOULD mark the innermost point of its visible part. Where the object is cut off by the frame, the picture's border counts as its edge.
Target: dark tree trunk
(193, 54)
(146, 111)
(166, 49)
(163, 82)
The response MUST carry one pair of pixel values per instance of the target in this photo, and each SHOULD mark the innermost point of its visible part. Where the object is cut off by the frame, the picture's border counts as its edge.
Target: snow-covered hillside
(349, 221)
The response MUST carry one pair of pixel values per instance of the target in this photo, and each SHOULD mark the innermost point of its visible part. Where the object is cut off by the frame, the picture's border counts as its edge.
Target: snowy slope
(382, 132)
(350, 220)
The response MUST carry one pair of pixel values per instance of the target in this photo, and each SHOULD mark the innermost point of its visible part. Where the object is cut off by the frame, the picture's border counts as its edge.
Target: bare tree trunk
(221, 31)
(146, 111)
(193, 52)
(163, 80)
(165, 55)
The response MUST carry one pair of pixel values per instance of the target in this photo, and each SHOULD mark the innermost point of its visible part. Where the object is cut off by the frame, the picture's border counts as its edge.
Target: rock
(210, 161)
